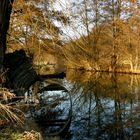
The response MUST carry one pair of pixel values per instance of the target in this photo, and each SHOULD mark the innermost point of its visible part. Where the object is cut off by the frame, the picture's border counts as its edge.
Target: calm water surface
(105, 106)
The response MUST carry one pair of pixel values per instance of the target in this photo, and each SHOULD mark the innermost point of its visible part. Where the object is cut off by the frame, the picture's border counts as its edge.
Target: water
(105, 106)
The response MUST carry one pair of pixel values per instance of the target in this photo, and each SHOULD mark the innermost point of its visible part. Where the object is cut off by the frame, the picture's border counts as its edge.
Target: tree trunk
(5, 11)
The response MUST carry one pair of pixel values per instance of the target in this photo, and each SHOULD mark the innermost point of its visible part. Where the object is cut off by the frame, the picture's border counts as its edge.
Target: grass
(8, 134)
(7, 112)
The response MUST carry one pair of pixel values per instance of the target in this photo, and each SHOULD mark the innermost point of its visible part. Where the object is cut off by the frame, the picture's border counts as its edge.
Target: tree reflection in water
(105, 106)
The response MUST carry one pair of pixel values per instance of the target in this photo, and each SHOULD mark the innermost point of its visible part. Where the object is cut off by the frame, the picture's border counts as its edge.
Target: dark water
(105, 106)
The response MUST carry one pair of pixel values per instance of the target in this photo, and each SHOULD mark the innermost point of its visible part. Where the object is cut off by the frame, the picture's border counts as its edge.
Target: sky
(74, 30)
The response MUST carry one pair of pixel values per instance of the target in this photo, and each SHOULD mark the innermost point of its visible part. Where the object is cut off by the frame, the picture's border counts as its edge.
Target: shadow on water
(105, 106)
(47, 108)
(50, 110)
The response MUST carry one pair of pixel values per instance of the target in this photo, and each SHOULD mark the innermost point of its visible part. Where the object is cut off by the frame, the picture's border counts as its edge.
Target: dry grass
(8, 113)
(5, 94)
(32, 135)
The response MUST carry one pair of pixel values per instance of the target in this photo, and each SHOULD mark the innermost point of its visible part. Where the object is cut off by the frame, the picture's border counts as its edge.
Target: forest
(86, 35)
(111, 42)
(92, 35)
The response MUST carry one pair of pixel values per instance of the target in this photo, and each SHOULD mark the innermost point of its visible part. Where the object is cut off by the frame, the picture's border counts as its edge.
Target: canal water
(105, 106)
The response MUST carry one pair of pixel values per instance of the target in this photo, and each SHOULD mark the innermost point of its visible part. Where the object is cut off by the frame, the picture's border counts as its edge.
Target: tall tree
(37, 28)
(5, 11)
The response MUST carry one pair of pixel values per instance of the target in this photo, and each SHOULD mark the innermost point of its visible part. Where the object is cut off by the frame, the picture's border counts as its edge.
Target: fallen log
(57, 75)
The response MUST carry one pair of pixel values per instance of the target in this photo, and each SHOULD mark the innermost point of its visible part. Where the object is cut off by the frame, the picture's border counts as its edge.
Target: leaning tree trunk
(5, 11)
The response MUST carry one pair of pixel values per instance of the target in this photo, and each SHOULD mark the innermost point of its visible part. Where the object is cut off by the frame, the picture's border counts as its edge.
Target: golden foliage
(114, 41)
